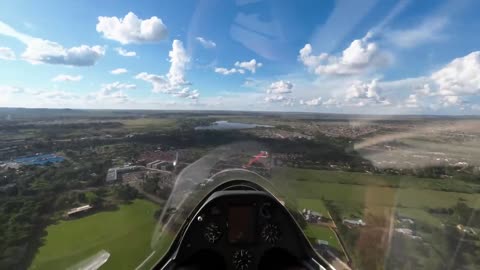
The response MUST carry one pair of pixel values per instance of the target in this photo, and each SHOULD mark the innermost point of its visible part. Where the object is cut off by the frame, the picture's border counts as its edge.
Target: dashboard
(242, 230)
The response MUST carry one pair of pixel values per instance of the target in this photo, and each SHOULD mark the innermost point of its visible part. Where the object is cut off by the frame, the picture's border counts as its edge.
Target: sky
(331, 56)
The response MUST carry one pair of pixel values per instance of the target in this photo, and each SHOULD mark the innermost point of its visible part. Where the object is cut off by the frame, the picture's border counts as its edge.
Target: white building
(354, 222)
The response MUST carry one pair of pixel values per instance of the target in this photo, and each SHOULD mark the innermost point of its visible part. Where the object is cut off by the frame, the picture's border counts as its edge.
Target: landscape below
(375, 193)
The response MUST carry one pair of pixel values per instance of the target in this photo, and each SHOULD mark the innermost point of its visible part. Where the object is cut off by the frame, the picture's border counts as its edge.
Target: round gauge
(242, 259)
(212, 233)
(270, 233)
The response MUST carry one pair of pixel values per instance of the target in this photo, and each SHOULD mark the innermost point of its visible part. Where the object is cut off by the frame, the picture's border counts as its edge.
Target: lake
(225, 125)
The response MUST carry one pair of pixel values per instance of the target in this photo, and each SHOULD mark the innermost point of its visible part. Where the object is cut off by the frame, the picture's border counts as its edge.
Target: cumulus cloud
(280, 87)
(412, 101)
(123, 52)
(67, 78)
(312, 102)
(56, 96)
(131, 29)
(460, 77)
(174, 82)
(45, 51)
(279, 92)
(427, 31)
(331, 102)
(277, 98)
(111, 87)
(225, 71)
(207, 44)
(362, 55)
(118, 71)
(251, 66)
(8, 89)
(7, 53)
(447, 101)
(111, 93)
(362, 93)
(187, 93)
(110, 96)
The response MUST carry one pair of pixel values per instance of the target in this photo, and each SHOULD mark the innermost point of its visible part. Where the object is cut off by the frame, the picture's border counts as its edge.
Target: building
(406, 220)
(311, 216)
(321, 242)
(354, 222)
(114, 173)
(163, 165)
(78, 210)
(407, 232)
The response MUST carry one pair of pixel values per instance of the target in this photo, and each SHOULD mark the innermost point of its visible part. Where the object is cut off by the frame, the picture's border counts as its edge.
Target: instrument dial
(270, 233)
(242, 259)
(212, 233)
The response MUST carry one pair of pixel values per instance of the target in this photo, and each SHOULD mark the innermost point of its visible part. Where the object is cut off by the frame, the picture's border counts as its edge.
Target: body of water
(225, 125)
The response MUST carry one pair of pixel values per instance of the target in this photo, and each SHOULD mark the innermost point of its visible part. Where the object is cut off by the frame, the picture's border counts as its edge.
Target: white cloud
(447, 101)
(7, 89)
(331, 102)
(412, 101)
(118, 71)
(361, 56)
(207, 44)
(44, 51)
(56, 96)
(225, 71)
(427, 31)
(67, 78)
(251, 65)
(179, 60)
(312, 102)
(131, 29)
(111, 93)
(7, 53)
(108, 96)
(110, 87)
(187, 93)
(365, 93)
(123, 52)
(276, 98)
(460, 77)
(280, 87)
(174, 82)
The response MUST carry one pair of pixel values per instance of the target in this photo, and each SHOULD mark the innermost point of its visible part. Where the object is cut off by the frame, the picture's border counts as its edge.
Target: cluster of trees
(38, 194)
(159, 185)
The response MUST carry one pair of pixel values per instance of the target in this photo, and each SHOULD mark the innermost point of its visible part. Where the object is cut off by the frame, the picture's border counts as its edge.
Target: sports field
(125, 233)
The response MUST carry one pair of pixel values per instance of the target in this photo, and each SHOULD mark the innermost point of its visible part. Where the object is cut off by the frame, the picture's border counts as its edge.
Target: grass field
(150, 124)
(361, 193)
(125, 233)
(323, 233)
(313, 204)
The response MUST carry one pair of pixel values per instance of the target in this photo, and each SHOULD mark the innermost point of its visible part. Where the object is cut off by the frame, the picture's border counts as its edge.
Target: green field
(125, 233)
(360, 193)
(313, 204)
(323, 233)
(149, 124)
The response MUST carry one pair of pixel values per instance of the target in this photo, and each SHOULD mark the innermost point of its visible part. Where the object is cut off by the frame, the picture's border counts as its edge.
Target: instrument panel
(241, 228)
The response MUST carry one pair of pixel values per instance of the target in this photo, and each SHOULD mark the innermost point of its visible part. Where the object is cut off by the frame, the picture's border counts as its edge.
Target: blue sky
(340, 56)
